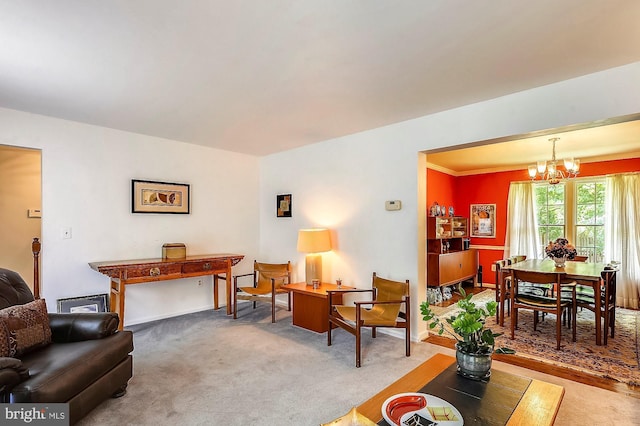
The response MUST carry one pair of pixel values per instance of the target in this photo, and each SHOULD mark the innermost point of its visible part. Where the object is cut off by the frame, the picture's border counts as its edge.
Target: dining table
(583, 273)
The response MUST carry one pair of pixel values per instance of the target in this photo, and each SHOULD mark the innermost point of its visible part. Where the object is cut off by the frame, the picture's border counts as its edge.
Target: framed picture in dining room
(483, 220)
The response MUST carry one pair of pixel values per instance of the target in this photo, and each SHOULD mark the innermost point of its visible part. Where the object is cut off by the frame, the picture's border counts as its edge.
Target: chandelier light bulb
(568, 164)
(551, 168)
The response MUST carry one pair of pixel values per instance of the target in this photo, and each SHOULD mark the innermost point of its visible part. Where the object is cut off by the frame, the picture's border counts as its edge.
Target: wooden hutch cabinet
(447, 261)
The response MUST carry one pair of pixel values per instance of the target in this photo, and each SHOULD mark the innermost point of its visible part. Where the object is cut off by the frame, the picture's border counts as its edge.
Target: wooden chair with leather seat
(268, 279)
(585, 298)
(382, 310)
(503, 286)
(580, 290)
(551, 304)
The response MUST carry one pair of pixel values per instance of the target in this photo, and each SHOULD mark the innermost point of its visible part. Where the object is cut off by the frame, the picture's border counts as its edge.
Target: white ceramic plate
(399, 409)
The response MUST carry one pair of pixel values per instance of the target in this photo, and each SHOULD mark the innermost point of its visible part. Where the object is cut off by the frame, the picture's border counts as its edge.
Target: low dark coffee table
(504, 399)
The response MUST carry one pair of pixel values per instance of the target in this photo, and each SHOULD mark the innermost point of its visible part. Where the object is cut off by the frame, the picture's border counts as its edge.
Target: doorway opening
(20, 207)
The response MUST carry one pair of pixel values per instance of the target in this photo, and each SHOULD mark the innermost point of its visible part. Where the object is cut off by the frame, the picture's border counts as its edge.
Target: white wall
(86, 176)
(343, 183)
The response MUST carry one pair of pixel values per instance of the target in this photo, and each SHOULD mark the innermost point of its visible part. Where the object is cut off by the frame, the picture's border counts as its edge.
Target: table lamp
(313, 242)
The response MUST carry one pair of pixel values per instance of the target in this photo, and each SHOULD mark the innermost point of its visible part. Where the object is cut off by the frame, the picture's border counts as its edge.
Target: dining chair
(607, 308)
(550, 304)
(381, 310)
(503, 286)
(268, 279)
(581, 290)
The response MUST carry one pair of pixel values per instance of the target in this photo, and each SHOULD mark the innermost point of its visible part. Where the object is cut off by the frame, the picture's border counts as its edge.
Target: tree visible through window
(574, 210)
(550, 203)
(590, 213)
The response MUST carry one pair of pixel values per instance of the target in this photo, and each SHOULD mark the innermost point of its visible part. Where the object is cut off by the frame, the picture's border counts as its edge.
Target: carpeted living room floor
(208, 369)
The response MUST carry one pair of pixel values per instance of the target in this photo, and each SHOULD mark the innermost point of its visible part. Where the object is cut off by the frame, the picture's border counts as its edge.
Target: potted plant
(475, 341)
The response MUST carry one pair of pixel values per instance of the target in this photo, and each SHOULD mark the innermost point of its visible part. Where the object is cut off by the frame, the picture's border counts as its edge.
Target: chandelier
(549, 171)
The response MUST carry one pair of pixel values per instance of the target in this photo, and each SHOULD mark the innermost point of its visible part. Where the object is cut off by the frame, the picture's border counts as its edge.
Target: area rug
(619, 360)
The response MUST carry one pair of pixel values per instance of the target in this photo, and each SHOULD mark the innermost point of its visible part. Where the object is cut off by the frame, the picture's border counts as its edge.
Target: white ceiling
(260, 77)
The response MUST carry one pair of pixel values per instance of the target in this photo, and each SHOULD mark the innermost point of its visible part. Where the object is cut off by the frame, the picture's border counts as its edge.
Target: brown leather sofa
(87, 361)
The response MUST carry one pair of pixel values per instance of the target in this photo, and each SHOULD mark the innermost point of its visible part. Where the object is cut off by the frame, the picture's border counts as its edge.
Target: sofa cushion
(61, 371)
(24, 328)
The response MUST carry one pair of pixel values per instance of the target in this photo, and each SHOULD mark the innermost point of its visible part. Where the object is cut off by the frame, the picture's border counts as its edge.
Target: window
(590, 219)
(550, 202)
(575, 210)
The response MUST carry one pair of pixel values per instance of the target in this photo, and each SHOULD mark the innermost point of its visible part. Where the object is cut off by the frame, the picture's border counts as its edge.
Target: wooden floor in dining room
(565, 373)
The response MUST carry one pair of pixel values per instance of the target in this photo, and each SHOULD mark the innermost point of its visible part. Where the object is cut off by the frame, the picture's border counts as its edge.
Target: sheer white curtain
(622, 231)
(522, 226)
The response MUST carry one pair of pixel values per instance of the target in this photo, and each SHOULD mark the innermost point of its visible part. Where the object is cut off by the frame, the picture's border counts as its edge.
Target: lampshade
(314, 240)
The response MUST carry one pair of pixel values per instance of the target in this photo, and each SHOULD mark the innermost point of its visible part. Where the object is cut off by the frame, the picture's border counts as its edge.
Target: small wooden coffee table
(538, 406)
(311, 305)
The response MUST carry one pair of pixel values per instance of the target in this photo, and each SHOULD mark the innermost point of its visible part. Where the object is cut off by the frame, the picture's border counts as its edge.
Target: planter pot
(473, 366)
(560, 261)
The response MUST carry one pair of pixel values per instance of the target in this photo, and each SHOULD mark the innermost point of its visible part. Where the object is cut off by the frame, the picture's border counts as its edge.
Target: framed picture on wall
(283, 205)
(483, 220)
(94, 303)
(159, 197)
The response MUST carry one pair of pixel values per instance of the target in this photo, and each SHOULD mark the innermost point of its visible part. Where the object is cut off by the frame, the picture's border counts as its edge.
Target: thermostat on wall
(393, 205)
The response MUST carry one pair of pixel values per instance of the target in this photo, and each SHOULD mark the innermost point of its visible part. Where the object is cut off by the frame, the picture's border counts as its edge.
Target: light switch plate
(393, 205)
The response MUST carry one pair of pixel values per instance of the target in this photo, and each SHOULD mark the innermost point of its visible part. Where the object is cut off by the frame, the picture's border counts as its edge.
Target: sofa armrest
(77, 327)
(11, 369)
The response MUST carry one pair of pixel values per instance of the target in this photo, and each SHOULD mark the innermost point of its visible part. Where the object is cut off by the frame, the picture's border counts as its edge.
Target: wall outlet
(493, 267)
(66, 233)
(199, 283)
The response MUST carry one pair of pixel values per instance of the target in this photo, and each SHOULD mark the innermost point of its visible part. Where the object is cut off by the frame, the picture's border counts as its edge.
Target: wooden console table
(136, 271)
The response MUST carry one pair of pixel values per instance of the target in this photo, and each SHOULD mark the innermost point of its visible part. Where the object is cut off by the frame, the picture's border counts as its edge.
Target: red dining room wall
(441, 188)
(493, 188)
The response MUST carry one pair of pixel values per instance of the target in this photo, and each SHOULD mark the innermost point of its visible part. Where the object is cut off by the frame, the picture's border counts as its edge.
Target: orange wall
(441, 189)
(493, 188)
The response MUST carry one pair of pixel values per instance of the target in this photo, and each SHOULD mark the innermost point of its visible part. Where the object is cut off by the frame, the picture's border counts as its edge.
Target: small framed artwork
(94, 303)
(159, 197)
(283, 205)
(483, 220)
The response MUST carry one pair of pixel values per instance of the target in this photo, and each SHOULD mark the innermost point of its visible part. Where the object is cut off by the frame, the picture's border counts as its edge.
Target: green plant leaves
(468, 325)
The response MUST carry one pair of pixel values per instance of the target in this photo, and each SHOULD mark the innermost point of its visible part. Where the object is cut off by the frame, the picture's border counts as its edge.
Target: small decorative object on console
(174, 251)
